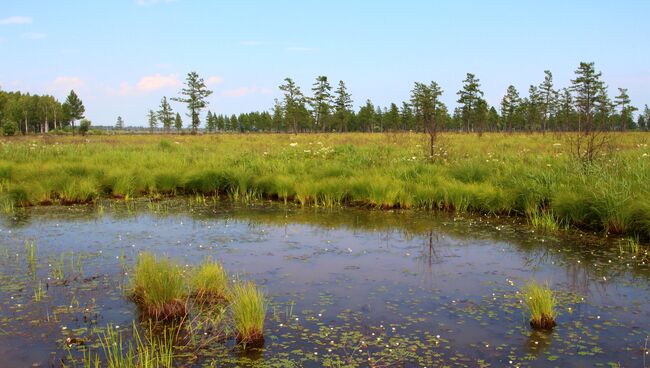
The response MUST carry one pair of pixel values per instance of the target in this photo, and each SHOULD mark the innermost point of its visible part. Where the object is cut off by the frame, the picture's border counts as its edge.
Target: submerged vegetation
(541, 304)
(535, 176)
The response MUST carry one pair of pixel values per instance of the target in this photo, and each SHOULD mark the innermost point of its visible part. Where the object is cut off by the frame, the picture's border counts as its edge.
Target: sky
(123, 56)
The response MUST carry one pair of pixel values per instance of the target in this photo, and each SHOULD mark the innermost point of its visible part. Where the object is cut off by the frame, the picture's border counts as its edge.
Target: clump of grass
(630, 245)
(541, 304)
(158, 288)
(249, 311)
(543, 220)
(210, 283)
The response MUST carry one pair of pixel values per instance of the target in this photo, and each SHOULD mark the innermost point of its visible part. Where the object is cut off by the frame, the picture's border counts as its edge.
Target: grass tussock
(540, 301)
(158, 288)
(211, 284)
(249, 312)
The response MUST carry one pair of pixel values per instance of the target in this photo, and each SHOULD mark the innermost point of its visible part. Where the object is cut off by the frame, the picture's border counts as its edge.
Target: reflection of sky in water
(389, 267)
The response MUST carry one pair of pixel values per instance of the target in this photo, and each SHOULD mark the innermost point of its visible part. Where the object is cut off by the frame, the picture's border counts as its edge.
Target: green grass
(30, 257)
(501, 174)
(248, 312)
(158, 288)
(540, 301)
(210, 283)
(152, 351)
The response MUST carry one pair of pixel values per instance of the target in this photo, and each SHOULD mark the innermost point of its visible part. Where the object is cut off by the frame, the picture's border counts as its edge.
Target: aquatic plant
(158, 288)
(211, 284)
(30, 256)
(249, 312)
(540, 302)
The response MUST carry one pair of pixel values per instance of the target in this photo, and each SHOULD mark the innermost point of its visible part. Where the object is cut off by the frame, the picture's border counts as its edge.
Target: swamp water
(346, 287)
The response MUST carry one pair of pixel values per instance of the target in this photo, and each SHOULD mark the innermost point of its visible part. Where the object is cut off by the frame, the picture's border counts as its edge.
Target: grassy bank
(528, 175)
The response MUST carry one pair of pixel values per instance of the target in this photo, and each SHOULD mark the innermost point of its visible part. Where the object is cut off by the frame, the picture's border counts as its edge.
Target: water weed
(540, 302)
(210, 283)
(158, 288)
(249, 312)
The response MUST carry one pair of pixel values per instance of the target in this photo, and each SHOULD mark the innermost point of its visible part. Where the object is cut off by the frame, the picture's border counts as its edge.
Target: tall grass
(211, 283)
(540, 301)
(158, 288)
(496, 174)
(249, 312)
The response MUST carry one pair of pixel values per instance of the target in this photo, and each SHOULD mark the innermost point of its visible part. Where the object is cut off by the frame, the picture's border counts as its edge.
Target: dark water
(348, 287)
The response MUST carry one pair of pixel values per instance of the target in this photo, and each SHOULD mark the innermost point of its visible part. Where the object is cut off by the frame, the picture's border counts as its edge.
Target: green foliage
(9, 128)
(84, 126)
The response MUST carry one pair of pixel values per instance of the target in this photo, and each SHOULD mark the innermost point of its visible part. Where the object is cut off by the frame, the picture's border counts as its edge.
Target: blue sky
(122, 56)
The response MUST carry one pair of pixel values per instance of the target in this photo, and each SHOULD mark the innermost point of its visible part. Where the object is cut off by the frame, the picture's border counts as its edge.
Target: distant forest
(330, 109)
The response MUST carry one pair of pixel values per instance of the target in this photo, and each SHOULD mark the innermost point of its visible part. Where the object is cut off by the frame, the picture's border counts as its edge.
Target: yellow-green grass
(518, 174)
(210, 283)
(540, 301)
(248, 313)
(158, 288)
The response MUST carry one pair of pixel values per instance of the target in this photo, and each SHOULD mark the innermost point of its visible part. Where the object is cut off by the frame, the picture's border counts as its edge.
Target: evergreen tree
(196, 94)
(153, 120)
(321, 102)
(468, 98)
(392, 118)
(166, 115)
(119, 124)
(426, 105)
(566, 111)
(210, 122)
(587, 88)
(623, 102)
(294, 103)
(178, 123)
(407, 120)
(73, 108)
(509, 106)
(548, 98)
(342, 107)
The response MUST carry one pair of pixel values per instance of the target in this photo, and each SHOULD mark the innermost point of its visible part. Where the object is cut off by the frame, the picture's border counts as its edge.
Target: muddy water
(348, 287)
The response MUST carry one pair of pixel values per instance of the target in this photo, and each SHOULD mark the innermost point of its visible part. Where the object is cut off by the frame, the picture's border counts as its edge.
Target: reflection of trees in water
(428, 256)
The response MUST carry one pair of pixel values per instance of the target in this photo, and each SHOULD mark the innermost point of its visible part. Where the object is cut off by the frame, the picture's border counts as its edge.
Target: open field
(528, 175)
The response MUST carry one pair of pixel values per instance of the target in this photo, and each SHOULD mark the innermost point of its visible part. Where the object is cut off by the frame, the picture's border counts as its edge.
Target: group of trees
(25, 113)
(584, 106)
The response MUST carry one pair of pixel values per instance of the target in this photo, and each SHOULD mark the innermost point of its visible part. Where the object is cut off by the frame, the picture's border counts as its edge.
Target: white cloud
(245, 91)
(64, 83)
(149, 83)
(215, 79)
(157, 81)
(16, 19)
(34, 35)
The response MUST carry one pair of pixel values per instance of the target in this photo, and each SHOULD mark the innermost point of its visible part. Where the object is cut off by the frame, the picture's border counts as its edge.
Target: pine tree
(342, 107)
(509, 106)
(548, 98)
(153, 121)
(426, 105)
(623, 102)
(321, 102)
(587, 88)
(119, 124)
(294, 103)
(196, 94)
(166, 115)
(178, 123)
(74, 108)
(469, 97)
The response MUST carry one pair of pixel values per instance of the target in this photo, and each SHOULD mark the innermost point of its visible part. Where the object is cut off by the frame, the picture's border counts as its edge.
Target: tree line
(585, 105)
(25, 113)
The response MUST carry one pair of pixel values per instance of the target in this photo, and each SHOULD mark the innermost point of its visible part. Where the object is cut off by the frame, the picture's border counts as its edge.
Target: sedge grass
(158, 288)
(540, 301)
(211, 283)
(249, 312)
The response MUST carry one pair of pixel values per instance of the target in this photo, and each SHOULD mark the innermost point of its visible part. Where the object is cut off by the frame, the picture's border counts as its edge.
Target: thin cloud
(300, 49)
(245, 91)
(67, 83)
(16, 19)
(149, 83)
(35, 35)
(215, 79)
